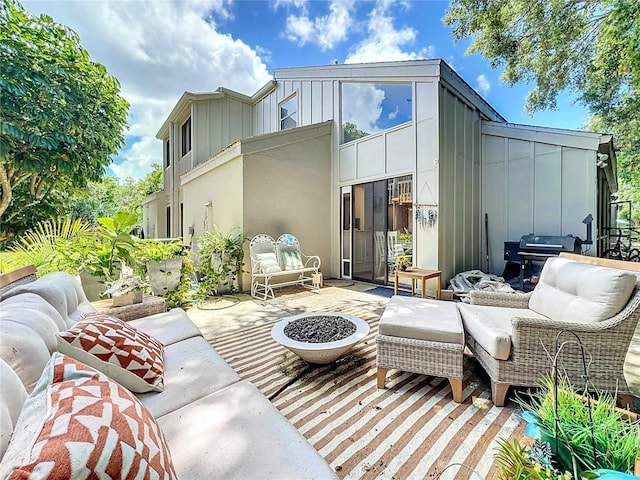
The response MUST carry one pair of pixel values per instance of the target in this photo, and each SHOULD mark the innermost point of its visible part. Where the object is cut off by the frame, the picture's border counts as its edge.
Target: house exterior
(364, 162)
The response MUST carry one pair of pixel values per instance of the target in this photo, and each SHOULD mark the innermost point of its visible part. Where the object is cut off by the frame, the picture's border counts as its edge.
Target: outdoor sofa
(582, 314)
(577, 306)
(206, 420)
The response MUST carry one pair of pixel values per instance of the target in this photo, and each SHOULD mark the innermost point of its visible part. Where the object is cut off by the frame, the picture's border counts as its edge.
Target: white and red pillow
(78, 424)
(131, 357)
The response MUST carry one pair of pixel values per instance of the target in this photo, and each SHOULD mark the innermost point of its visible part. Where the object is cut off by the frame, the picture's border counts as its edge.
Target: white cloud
(483, 86)
(157, 50)
(385, 42)
(362, 105)
(325, 31)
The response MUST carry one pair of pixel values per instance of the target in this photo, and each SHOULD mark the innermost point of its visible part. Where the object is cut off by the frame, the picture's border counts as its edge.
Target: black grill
(537, 248)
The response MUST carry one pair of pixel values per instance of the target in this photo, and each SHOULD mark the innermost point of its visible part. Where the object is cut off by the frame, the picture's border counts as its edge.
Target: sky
(158, 49)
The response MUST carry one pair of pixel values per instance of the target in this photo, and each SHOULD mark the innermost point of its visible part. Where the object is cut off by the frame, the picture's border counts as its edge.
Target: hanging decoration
(426, 214)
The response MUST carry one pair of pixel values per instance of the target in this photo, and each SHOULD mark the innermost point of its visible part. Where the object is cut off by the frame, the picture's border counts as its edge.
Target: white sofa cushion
(38, 322)
(62, 291)
(192, 369)
(110, 433)
(31, 301)
(12, 396)
(236, 433)
(572, 291)
(24, 351)
(167, 327)
(491, 326)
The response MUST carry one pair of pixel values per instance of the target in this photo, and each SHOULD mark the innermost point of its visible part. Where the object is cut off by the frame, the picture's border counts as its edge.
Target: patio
(411, 429)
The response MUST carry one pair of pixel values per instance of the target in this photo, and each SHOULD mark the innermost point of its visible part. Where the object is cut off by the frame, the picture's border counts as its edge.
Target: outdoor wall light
(208, 204)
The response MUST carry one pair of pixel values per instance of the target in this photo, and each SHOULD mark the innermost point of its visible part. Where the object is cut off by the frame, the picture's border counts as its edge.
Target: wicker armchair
(533, 345)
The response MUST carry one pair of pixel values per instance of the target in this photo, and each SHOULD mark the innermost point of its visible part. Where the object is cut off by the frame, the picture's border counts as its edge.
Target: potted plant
(402, 262)
(163, 263)
(584, 437)
(126, 290)
(220, 261)
(101, 257)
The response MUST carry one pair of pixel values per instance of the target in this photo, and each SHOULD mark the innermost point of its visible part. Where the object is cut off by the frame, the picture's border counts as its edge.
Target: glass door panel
(346, 232)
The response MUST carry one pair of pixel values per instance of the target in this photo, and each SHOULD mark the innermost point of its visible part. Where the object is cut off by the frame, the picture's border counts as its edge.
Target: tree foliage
(110, 195)
(588, 47)
(61, 115)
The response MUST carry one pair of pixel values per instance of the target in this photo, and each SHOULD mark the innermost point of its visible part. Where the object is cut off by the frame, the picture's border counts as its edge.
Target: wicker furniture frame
(533, 344)
(263, 282)
(427, 357)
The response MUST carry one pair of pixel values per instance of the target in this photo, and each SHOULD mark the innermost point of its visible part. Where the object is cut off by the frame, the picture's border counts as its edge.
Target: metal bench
(279, 263)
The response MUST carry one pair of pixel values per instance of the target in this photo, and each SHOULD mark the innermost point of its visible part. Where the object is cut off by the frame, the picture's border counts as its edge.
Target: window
(168, 219)
(186, 137)
(289, 113)
(167, 154)
(368, 108)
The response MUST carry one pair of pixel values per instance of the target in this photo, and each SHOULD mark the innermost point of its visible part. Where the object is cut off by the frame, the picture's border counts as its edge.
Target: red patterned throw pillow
(79, 424)
(131, 357)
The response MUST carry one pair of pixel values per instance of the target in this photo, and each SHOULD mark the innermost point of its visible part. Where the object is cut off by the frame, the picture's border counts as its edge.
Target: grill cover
(550, 244)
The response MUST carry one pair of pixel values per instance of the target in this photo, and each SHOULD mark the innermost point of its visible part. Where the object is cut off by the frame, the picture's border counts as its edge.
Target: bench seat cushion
(491, 326)
(251, 439)
(570, 291)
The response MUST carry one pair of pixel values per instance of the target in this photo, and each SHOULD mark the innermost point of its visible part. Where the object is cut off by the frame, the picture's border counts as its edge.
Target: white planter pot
(92, 286)
(127, 299)
(164, 275)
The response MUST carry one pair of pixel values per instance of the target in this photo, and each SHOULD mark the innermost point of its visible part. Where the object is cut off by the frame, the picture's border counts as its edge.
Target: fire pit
(320, 337)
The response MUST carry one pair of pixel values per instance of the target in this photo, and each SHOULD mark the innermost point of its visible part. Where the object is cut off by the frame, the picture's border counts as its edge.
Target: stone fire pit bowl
(323, 352)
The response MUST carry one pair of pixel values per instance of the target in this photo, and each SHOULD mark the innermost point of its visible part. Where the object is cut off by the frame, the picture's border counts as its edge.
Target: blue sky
(160, 48)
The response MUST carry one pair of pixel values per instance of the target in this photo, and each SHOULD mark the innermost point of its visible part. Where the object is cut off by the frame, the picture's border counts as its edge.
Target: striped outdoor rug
(411, 429)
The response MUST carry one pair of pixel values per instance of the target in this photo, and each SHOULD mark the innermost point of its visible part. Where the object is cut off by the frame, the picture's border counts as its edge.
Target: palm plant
(44, 245)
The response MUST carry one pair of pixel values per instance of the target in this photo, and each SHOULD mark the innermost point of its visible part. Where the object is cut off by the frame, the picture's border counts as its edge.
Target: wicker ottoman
(421, 336)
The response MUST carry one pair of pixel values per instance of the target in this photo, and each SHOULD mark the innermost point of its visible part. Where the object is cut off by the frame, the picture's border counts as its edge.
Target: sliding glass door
(379, 228)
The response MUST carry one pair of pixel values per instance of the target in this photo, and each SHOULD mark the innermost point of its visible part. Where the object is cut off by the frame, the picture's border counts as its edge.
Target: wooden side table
(422, 274)
(149, 306)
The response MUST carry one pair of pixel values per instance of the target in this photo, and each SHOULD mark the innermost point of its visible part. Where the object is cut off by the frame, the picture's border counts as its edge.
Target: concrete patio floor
(239, 311)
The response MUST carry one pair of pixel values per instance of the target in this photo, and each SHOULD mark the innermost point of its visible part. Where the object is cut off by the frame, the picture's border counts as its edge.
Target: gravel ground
(319, 329)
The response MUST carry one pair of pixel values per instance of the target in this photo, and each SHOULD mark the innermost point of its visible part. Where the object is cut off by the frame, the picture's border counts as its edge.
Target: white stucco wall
(287, 190)
(212, 195)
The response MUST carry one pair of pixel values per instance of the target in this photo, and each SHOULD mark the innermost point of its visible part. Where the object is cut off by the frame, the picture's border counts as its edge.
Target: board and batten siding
(217, 124)
(460, 186)
(535, 187)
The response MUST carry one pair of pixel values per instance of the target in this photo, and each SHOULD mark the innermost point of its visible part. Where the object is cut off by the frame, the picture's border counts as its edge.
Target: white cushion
(571, 291)
(252, 440)
(192, 369)
(167, 327)
(24, 351)
(422, 319)
(31, 301)
(12, 396)
(491, 326)
(268, 262)
(78, 423)
(39, 323)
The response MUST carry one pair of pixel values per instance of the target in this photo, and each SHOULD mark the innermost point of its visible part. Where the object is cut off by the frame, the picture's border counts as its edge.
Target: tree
(588, 47)
(61, 115)
(110, 195)
(591, 47)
